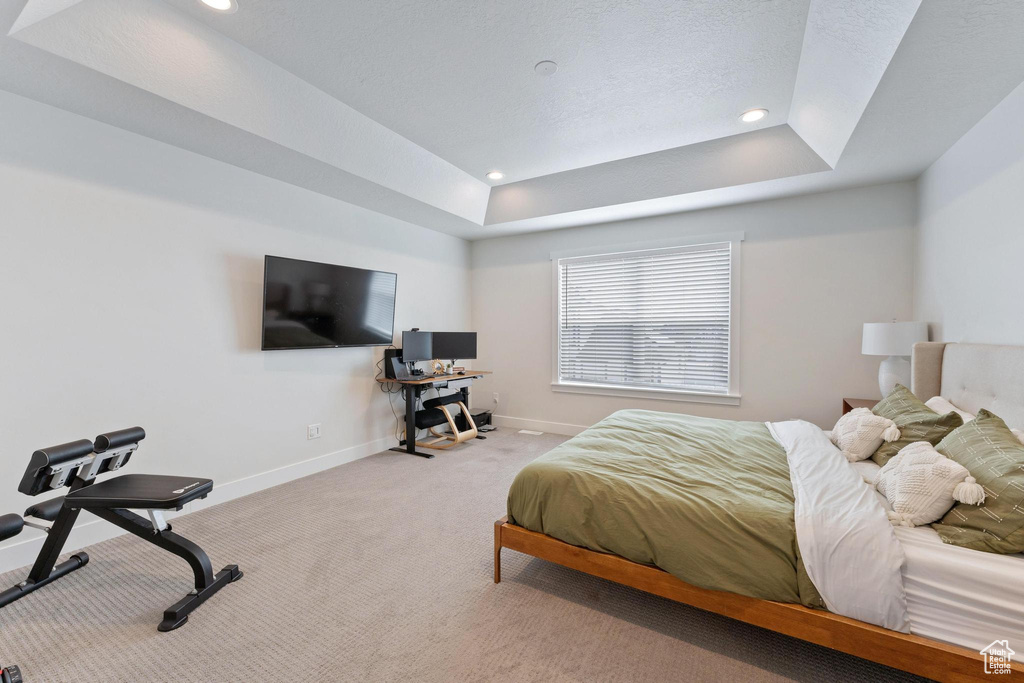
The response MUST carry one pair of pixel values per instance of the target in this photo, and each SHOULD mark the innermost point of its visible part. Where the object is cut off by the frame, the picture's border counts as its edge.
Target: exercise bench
(76, 465)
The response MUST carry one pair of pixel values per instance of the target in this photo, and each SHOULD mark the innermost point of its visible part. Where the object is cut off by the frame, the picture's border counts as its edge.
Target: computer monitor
(454, 345)
(416, 346)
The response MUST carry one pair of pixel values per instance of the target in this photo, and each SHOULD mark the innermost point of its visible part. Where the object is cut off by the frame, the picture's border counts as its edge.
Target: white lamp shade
(892, 339)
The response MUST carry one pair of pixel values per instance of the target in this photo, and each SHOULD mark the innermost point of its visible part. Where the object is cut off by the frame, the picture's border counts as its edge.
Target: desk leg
(412, 394)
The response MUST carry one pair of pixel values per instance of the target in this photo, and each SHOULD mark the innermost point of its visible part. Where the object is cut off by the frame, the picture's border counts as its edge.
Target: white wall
(814, 269)
(970, 251)
(131, 278)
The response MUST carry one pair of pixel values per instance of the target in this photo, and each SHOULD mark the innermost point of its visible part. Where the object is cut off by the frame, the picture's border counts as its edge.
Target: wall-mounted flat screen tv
(309, 305)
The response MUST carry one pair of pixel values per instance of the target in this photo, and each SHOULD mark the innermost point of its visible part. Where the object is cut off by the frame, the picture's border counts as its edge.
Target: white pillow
(942, 406)
(868, 470)
(922, 485)
(859, 433)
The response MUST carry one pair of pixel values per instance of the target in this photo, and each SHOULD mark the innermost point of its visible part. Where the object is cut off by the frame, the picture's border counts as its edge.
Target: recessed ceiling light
(495, 175)
(545, 68)
(223, 6)
(753, 115)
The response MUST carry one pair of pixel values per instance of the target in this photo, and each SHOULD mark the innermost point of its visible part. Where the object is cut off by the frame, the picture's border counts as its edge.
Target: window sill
(646, 393)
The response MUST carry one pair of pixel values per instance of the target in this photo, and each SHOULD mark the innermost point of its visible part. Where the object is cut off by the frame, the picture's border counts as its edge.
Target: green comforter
(709, 501)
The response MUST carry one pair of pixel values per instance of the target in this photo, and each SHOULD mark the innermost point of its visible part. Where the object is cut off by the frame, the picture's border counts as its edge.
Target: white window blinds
(657, 318)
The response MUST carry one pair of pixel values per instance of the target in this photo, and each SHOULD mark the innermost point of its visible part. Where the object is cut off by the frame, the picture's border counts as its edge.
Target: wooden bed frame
(914, 654)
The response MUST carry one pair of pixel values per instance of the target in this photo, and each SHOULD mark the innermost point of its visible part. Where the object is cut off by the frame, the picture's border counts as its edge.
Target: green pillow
(917, 422)
(993, 456)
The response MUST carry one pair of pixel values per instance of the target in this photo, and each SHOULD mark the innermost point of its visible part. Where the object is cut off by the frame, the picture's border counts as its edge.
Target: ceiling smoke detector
(222, 6)
(753, 115)
(545, 68)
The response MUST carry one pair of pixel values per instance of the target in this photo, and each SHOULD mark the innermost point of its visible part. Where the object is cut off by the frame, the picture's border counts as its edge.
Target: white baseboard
(537, 425)
(91, 530)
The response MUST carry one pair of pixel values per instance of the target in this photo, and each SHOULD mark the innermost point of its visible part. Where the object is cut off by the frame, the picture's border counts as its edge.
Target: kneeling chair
(435, 413)
(76, 465)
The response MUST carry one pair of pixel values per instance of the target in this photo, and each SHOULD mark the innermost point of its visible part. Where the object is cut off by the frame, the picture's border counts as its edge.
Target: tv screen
(309, 305)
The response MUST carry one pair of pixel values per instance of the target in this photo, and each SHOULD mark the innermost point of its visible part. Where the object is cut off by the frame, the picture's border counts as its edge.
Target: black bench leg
(76, 561)
(177, 614)
(46, 570)
(56, 537)
(205, 581)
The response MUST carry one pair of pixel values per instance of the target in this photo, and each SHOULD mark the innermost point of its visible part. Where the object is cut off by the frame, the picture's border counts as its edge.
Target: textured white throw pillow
(859, 433)
(922, 484)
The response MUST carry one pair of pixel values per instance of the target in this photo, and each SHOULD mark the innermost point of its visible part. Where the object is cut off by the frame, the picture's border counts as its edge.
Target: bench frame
(206, 582)
(76, 465)
(914, 654)
(46, 570)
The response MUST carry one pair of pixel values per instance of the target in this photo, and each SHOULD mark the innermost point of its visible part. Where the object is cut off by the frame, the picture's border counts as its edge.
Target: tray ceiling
(403, 107)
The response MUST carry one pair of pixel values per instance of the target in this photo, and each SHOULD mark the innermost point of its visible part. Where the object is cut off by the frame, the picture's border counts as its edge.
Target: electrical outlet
(495, 398)
(313, 431)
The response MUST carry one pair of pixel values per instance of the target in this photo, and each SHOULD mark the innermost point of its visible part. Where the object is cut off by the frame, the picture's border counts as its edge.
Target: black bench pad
(442, 401)
(47, 509)
(10, 526)
(141, 492)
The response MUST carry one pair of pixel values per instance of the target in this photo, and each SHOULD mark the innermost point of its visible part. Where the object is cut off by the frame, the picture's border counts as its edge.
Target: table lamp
(895, 340)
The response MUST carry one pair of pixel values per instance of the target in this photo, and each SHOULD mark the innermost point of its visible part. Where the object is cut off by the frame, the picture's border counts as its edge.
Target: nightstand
(851, 403)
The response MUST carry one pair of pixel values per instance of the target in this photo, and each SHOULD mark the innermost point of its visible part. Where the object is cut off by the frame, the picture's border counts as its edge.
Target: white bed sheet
(847, 544)
(957, 595)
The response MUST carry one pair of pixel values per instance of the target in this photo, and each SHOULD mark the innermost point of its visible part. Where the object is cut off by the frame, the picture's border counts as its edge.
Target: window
(649, 322)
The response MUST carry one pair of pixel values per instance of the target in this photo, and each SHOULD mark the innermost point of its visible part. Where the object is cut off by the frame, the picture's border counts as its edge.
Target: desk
(413, 388)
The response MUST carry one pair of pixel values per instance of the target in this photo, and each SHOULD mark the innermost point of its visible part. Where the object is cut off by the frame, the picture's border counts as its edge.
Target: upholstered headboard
(972, 377)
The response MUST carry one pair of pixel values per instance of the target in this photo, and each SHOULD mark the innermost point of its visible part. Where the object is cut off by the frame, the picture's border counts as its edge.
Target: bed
(608, 503)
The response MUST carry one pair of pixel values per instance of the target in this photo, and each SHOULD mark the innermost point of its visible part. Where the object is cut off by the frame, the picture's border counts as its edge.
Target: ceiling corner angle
(35, 11)
(840, 70)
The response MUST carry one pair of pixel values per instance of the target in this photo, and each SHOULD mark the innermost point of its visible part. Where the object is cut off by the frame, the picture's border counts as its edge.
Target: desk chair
(435, 412)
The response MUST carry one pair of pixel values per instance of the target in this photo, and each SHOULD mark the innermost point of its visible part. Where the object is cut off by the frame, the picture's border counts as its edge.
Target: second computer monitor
(454, 345)
(416, 346)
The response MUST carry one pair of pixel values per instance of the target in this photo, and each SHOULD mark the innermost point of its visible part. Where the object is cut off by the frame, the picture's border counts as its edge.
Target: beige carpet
(380, 570)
